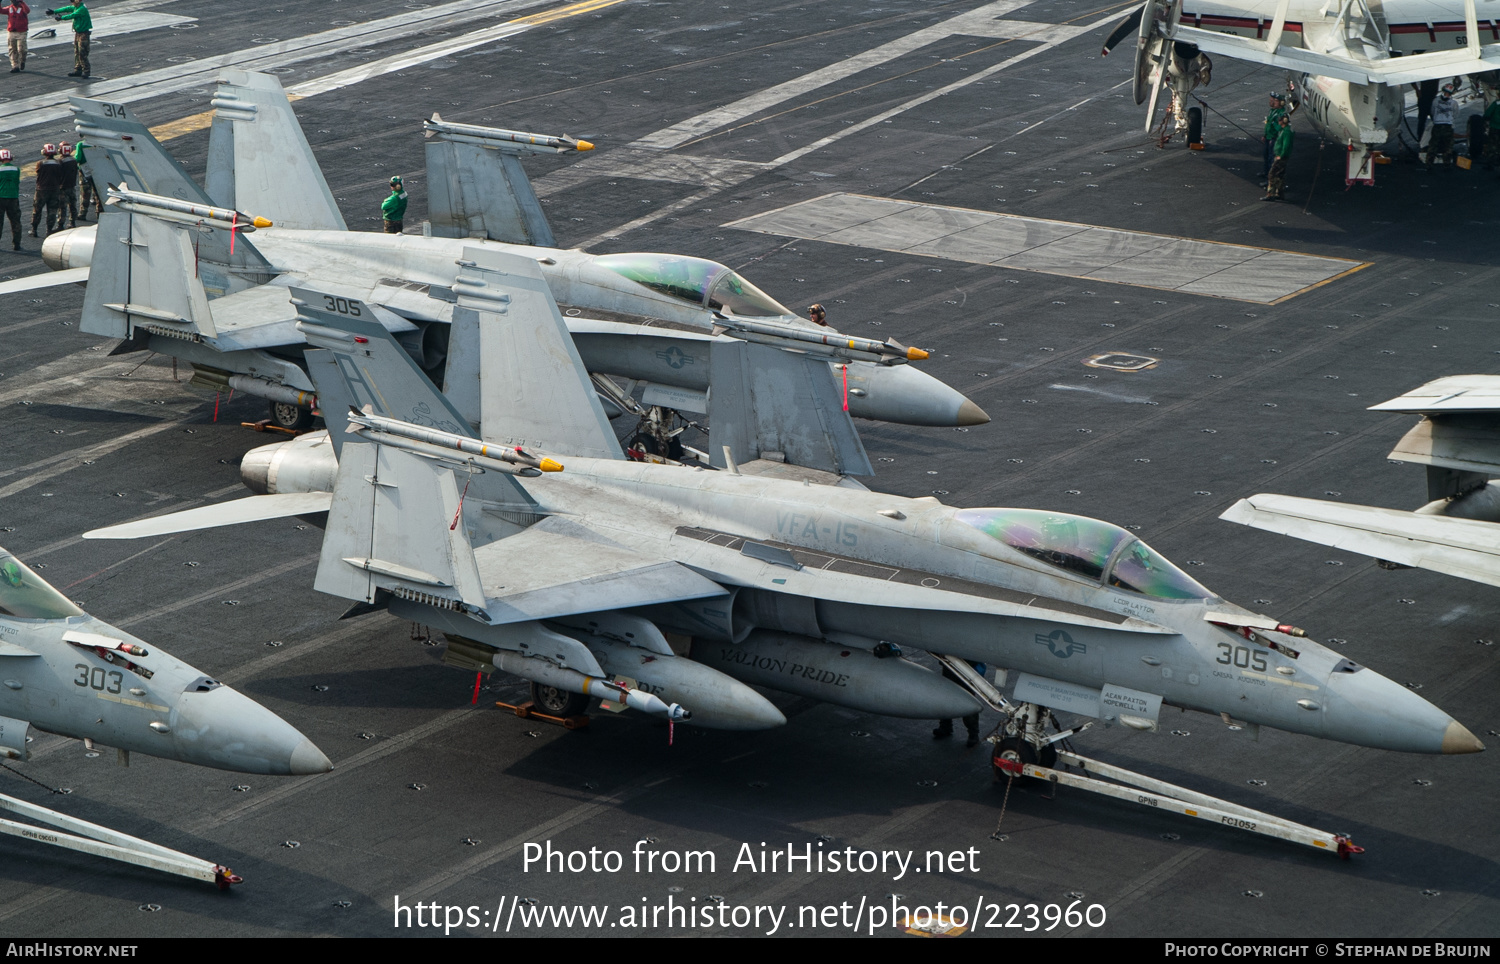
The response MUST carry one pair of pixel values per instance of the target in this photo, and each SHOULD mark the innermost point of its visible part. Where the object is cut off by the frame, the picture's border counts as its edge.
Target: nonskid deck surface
(705, 115)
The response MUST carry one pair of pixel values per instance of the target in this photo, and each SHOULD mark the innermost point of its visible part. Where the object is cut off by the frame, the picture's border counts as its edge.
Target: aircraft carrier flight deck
(1151, 341)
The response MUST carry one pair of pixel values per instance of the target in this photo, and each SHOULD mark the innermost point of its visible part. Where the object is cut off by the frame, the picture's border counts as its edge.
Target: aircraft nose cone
(1458, 739)
(1368, 709)
(971, 414)
(225, 729)
(307, 759)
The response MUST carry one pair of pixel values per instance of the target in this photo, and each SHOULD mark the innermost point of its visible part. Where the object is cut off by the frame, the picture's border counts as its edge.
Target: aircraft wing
(1461, 430)
(560, 568)
(45, 279)
(1455, 393)
(1389, 70)
(1458, 547)
(254, 509)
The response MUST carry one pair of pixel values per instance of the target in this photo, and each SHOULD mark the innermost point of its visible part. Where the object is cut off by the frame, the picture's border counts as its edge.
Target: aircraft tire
(292, 417)
(556, 702)
(1017, 749)
(1195, 126)
(648, 442)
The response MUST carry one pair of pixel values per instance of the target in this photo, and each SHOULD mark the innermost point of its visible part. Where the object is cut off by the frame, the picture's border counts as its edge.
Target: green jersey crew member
(83, 24)
(393, 208)
(1492, 135)
(1275, 186)
(10, 198)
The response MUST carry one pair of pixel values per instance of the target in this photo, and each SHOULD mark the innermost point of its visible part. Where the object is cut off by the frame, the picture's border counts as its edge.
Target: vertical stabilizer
(476, 187)
(389, 530)
(121, 149)
(534, 390)
(145, 273)
(769, 400)
(259, 159)
(362, 364)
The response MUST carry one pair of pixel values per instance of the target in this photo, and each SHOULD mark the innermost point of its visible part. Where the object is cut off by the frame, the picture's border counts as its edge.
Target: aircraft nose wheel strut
(1023, 750)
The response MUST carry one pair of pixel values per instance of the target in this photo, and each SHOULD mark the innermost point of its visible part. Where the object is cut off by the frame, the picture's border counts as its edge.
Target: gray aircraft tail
(359, 363)
(396, 521)
(766, 400)
(149, 272)
(476, 187)
(535, 391)
(259, 159)
(119, 149)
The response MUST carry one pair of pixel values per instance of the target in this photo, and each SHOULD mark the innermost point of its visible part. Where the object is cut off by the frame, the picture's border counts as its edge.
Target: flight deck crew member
(1283, 149)
(70, 184)
(1273, 127)
(1440, 144)
(10, 198)
(83, 25)
(49, 180)
(90, 192)
(971, 722)
(393, 208)
(17, 22)
(1492, 135)
(817, 315)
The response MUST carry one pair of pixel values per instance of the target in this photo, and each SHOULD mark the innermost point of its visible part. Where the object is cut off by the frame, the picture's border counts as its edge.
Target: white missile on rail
(186, 212)
(843, 347)
(548, 674)
(510, 142)
(503, 458)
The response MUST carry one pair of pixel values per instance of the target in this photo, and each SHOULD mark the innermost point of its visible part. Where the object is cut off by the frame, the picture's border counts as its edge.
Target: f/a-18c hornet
(571, 570)
(647, 325)
(63, 671)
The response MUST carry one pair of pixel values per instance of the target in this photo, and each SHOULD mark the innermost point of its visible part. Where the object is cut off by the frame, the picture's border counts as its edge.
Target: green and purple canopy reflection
(1088, 548)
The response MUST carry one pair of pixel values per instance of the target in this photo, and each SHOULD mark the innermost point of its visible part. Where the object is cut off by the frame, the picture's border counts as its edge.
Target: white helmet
(4, 155)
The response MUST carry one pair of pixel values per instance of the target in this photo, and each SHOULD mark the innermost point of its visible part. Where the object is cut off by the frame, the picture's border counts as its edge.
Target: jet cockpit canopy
(25, 595)
(1086, 547)
(702, 282)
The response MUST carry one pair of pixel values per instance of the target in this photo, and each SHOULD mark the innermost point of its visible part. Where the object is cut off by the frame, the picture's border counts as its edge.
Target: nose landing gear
(1024, 751)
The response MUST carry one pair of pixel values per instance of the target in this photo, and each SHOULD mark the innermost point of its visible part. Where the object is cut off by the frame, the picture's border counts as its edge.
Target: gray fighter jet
(810, 589)
(1455, 532)
(63, 671)
(243, 334)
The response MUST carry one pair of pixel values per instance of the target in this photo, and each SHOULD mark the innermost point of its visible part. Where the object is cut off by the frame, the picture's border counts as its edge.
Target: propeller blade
(1131, 24)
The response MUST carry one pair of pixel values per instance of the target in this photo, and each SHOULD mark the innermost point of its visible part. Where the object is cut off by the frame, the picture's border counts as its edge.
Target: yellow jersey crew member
(393, 208)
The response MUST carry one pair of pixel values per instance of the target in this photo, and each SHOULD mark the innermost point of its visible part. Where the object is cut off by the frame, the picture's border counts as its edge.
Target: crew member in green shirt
(393, 208)
(1283, 149)
(10, 198)
(1273, 126)
(1492, 135)
(90, 192)
(83, 24)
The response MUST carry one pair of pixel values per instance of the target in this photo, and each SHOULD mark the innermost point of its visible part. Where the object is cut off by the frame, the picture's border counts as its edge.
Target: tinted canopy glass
(26, 595)
(696, 280)
(1086, 547)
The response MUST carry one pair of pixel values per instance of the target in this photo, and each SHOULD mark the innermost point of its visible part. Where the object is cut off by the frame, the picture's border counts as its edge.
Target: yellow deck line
(197, 122)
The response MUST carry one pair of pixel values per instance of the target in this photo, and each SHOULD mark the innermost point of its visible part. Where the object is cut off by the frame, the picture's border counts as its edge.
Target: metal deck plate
(1065, 248)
